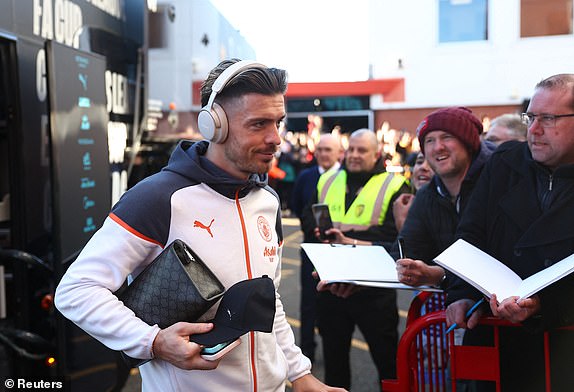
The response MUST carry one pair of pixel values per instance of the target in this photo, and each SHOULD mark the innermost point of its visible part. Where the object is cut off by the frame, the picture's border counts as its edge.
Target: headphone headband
(227, 75)
(212, 120)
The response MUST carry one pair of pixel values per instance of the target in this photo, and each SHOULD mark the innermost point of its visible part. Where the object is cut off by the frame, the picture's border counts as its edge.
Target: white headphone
(212, 120)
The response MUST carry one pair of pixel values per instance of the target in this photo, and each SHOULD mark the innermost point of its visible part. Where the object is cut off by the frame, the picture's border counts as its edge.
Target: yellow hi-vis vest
(369, 207)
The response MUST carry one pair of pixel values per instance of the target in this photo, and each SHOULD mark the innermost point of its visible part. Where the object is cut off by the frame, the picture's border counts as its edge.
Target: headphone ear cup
(213, 123)
(206, 123)
(212, 120)
(220, 134)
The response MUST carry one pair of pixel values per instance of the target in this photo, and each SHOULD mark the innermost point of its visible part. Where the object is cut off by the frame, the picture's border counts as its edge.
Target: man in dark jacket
(328, 153)
(360, 196)
(450, 141)
(521, 213)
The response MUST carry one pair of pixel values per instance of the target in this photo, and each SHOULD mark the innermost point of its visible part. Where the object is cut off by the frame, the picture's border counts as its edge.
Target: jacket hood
(188, 160)
(486, 150)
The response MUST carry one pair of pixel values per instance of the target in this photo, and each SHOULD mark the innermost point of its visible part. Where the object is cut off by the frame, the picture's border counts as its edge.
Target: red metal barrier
(412, 366)
(427, 360)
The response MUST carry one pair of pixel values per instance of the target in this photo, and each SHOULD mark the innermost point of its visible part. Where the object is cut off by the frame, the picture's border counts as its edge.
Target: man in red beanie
(450, 142)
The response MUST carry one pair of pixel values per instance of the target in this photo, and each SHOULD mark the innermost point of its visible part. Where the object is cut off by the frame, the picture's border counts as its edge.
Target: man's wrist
(153, 348)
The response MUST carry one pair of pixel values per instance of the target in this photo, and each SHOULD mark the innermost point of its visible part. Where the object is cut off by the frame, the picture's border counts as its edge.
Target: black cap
(248, 305)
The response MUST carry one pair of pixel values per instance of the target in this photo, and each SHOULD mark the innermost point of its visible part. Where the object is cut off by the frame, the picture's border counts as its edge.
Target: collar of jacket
(188, 159)
(356, 180)
(520, 159)
(524, 210)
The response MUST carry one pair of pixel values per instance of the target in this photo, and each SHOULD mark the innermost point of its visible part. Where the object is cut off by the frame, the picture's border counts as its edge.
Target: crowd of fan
(399, 149)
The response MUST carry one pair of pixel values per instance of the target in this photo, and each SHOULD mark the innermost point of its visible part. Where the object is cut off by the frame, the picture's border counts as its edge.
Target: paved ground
(364, 377)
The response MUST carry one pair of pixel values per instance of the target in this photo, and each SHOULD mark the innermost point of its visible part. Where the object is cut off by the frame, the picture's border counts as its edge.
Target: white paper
(490, 276)
(341, 262)
(361, 265)
(393, 285)
(547, 276)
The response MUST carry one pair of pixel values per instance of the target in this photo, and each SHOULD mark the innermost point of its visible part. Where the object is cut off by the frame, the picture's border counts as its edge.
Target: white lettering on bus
(61, 21)
(41, 86)
(68, 22)
(117, 142)
(111, 7)
(117, 93)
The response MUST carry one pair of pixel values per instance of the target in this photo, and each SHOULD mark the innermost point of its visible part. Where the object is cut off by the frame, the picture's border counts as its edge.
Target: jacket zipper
(546, 195)
(249, 276)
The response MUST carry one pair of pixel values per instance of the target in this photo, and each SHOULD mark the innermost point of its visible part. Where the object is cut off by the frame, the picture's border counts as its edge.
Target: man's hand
(456, 313)
(308, 383)
(173, 345)
(418, 273)
(513, 310)
(340, 238)
(343, 290)
(401, 208)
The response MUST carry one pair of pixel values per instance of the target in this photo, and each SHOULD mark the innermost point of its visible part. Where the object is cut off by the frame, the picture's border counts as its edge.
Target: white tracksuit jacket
(233, 225)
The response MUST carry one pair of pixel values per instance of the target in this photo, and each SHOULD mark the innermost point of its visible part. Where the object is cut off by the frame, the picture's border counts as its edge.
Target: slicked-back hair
(265, 81)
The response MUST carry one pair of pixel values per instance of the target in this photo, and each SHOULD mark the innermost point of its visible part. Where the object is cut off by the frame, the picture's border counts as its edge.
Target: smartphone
(323, 220)
(213, 353)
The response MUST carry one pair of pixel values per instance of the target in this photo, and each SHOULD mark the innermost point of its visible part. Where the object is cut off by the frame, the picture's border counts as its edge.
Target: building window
(463, 20)
(545, 17)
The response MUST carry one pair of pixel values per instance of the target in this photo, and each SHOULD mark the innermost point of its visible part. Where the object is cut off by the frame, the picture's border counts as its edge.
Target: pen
(468, 314)
(401, 242)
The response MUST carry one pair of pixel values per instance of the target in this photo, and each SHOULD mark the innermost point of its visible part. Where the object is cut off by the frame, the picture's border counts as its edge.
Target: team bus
(72, 106)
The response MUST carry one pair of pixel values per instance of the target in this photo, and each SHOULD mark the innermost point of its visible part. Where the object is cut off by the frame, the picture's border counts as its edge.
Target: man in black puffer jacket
(521, 213)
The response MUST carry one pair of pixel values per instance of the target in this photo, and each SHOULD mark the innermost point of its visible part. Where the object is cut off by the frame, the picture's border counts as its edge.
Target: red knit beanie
(459, 122)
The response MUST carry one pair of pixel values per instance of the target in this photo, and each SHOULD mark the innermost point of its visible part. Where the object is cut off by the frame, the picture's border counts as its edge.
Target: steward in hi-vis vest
(369, 207)
(359, 196)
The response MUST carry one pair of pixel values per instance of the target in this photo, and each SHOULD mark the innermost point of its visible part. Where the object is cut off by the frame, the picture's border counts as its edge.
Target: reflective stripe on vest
(369, 207)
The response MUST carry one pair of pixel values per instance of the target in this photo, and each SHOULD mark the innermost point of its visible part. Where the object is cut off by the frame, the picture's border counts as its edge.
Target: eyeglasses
(546, 120)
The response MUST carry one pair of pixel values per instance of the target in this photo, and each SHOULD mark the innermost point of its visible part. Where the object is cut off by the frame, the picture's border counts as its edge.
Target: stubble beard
(244, 161)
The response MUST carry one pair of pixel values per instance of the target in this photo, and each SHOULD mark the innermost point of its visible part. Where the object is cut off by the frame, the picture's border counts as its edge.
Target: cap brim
(218, 334)
(252, 304)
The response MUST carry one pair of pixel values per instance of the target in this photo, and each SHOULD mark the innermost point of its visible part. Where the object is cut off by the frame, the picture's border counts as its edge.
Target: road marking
(356, 343)
(292, 241)
(292, 237)
(291, 261)
(290, 221)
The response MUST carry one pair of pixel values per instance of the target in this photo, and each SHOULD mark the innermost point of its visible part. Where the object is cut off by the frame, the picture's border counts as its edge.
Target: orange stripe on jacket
(123, 224)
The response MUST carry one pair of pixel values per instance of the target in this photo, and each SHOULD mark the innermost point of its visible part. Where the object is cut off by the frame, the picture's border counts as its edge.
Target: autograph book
(361, 265)
(490, 276)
